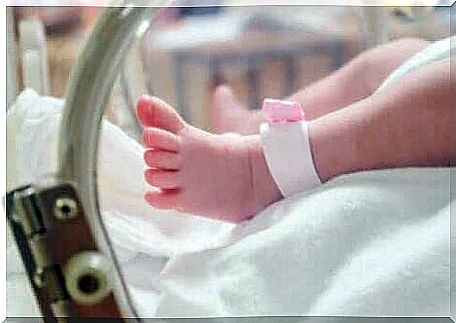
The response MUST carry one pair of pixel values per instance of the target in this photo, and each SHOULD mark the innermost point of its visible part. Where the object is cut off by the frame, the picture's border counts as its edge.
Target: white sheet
(374, 243)
(368, 244)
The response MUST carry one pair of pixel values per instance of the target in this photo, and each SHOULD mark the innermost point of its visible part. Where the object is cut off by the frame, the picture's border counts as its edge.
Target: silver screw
(38, 278)
(65, 209)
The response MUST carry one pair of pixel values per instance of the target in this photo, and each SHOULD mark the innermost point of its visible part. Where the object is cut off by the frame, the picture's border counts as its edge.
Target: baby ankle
(264, 188)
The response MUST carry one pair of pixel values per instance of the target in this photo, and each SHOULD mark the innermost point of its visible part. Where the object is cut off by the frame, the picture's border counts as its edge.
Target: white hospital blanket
(368, 244)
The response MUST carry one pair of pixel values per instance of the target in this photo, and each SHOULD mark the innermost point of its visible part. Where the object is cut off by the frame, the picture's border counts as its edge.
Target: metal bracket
(70, 277)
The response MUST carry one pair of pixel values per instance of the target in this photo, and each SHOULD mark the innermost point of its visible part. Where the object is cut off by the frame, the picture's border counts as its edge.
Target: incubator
(63, 240)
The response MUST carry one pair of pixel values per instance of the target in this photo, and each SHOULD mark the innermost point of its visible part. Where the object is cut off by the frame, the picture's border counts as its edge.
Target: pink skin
(218, 176)
(228, 114)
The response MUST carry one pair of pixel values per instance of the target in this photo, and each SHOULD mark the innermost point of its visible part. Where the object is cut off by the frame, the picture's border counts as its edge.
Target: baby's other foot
(229, 115)
(222, 177)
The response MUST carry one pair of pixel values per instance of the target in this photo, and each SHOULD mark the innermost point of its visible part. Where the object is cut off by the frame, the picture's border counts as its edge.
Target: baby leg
(355, 81)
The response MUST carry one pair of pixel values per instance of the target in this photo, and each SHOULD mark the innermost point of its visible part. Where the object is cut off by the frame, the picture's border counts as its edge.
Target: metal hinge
(25, 208)
(69, 276)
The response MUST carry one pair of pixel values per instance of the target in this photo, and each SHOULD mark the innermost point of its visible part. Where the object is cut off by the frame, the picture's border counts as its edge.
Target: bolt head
(38, 278)
(65, 209)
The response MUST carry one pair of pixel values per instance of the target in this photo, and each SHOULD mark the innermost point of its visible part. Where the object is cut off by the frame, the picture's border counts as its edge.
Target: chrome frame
(11, 51)
(87, 97)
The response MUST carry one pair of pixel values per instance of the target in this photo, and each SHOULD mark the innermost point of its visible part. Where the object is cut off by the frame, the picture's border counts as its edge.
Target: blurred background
(260, 51)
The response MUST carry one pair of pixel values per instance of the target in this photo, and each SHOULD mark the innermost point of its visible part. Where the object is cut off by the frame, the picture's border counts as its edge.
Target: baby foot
(223, 177)
(228, 114)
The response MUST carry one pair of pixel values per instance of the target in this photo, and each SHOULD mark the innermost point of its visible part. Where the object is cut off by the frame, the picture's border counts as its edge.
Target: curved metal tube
(87, 97)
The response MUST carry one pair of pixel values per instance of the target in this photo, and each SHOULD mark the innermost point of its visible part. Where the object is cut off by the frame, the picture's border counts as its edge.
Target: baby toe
(163, 200)
(162, 159)
(164, 179)
(161, 139)
(154, 112)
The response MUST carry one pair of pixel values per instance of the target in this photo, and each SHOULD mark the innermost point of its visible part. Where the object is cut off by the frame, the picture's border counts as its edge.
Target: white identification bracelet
(285, 143)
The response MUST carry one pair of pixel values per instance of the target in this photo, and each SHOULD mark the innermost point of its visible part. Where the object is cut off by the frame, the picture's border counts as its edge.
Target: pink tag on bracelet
(277, 111)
